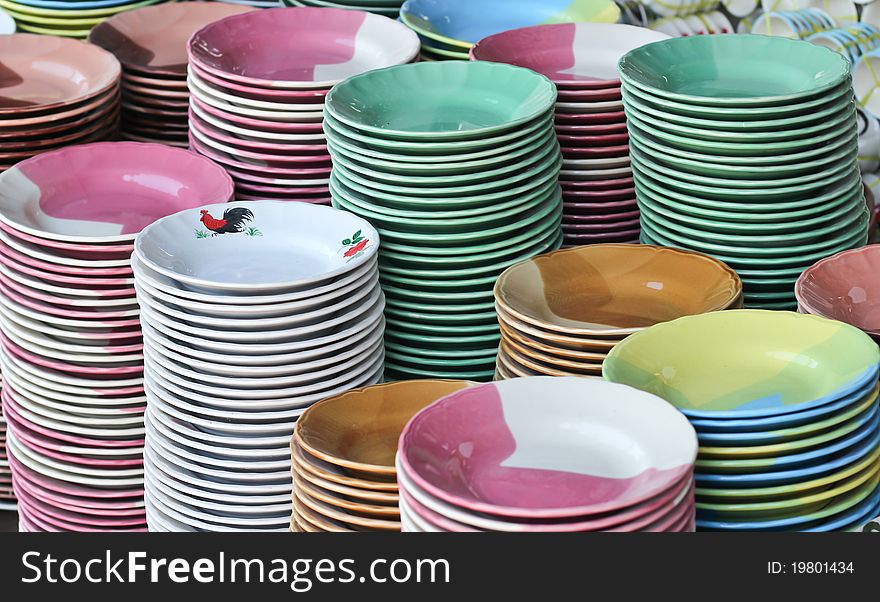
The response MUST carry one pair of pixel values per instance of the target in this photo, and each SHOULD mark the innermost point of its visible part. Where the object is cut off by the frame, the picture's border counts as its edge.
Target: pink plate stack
(538, 454)
(70, 338)
(257, 108)
(150, 43)
(581, 59)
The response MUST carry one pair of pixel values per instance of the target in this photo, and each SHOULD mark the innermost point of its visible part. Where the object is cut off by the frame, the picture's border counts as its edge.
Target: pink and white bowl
(588, 456)
(70, 337)
(257, 108)
(581, 59)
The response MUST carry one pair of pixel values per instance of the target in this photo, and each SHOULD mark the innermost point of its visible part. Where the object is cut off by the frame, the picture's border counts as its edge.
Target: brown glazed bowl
(611, 290)
(844, 287)
(359, 429)
(45, 73)
(152, 40)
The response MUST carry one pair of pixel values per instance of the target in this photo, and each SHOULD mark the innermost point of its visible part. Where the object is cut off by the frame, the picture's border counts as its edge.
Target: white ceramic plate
(282, 247)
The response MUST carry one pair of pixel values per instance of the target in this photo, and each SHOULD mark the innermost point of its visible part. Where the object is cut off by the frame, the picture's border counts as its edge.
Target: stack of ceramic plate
(343, 456)
(449, 28)
(581, 59)
(150, 43)
(69, 18)
(561, 313)
(786, 410)
(251, 312)
(7, 496)
(759, 170)
(547, 454)
(257, 108)
(794, 24)
(387, 8)
(56, 92)
(70, 341)
(456, 165)
(844, 287)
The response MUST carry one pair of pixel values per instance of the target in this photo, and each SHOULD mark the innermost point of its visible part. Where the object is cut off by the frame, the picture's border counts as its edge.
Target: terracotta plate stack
(70, 339)
(343, 451)
(56, 92)
(150, 43)
(257, 108)
(561, 313)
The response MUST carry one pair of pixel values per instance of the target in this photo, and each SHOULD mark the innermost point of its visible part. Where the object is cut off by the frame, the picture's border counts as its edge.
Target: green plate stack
(456, 165)
(745, 147)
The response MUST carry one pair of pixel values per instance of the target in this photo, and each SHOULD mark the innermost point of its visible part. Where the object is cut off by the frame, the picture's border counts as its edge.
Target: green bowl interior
(441, 97)
(734, 68)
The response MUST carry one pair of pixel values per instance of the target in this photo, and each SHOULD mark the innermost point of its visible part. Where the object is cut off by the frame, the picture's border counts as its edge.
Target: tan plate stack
(343, 449)
(561, 313)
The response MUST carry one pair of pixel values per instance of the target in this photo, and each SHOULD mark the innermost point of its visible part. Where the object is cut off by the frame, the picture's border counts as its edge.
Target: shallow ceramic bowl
(44, 73)
(842, 287)
(269, 247)
(571, 54)
(772, 363)
(709, 70)
(358, 430)
(645, 449)
(614, 289)
(442, 101)
(460, 23)
(153, 38)
(329, 45)
(107, 191)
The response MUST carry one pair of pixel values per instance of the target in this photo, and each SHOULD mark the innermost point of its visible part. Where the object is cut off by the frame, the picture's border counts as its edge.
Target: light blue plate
(469, 21)
(769, 437)
(864, 440)
(858, 514)
(781, 420)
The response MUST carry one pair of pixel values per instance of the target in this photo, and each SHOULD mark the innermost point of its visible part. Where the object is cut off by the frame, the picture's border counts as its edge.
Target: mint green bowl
(742, 149)
(746, 194)
(839, 119)
(419, 211)
(760, 243)
(744, 114)
(461, 330)
(430, 223)
(441, 101)
(419, 306)
(642, 137)
(745, 227)
(756, 258)
(450, 298)
(399, 164)
(442, 319)
(430, 352)
(548, 163)
(548, 151)
(728, 216)
(822, 113)
(538, 185)
(438, 151)
(706, 165)
(737, 70)
(534, 245)
(844, 188)
(806, 182)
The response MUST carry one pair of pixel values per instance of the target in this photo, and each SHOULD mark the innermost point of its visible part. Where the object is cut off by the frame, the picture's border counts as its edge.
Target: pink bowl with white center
(542, 447)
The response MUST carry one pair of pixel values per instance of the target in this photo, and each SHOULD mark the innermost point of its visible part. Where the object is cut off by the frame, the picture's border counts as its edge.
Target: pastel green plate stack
(745, 147)
(67, 18)
(785, 406)
(456, 164)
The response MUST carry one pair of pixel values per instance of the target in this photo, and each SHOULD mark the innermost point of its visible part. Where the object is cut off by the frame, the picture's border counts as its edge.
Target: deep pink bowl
(318, 46)
(844, 287)
(107, 191)
(582, 55)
